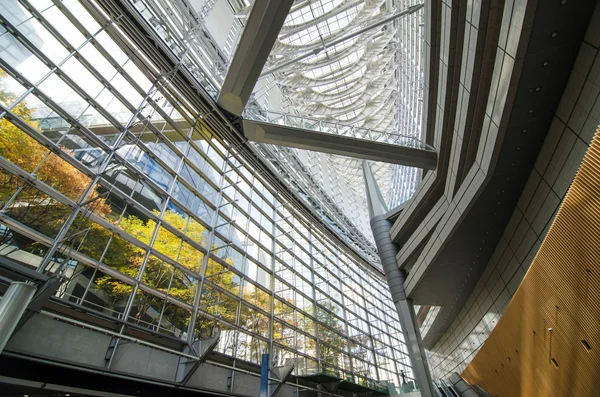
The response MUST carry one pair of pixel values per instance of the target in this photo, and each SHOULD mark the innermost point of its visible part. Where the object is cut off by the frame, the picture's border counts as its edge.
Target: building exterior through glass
(111, 179)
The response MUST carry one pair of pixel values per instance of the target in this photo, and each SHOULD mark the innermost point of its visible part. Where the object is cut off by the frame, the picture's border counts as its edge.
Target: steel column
(387, 251)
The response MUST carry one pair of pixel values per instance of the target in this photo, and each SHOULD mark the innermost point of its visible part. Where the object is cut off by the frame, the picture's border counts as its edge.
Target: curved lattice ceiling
(322, 69)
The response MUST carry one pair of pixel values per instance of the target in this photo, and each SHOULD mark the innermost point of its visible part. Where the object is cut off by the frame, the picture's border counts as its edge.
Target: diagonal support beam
(282, 374)
(259, 35)
(337, 144)
(187, 367)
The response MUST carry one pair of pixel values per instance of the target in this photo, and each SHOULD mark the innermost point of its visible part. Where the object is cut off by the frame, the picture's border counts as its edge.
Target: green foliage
(333, 343)
(31, 206)
(38, 211)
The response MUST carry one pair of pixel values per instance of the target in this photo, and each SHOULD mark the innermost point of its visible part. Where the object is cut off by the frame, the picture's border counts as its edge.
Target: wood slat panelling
(536, 349)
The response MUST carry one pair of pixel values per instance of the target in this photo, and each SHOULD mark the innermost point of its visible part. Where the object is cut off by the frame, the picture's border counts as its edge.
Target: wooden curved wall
(547, 343)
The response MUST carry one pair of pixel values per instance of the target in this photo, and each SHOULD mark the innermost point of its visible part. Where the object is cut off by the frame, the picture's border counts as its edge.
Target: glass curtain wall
(110, 181)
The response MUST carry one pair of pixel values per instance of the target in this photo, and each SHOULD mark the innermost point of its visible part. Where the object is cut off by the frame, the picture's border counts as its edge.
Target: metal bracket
(230, 380)
(282, 374)
(111, 348)
(330, 387)
(188, 367)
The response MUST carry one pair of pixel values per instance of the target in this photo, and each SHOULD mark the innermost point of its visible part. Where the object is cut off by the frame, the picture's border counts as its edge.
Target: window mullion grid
(63, 76)
(74, 52)
(36, 236)
(274, 244)
(136, 141)
(147, 122)
(209, 243)
(373, 343)
(29, 178)
(106, 26)
(314, 298)
(148, 52)
(56, 108)
(81, 202)
(60, 198)
(138, 281)
(395, 361)
(345, 317)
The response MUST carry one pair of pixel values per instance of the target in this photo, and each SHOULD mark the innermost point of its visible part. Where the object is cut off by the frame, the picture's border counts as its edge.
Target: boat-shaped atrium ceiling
(352, 68)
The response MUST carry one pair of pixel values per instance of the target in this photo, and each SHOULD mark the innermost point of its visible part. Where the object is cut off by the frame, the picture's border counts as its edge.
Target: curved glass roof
(353, 67)
(322, 70)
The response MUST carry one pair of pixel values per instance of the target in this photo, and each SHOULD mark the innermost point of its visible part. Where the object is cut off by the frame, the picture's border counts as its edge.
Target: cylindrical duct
(13, 305)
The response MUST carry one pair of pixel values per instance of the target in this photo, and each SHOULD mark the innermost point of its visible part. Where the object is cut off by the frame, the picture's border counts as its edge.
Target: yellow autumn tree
(332, 342)
(31, 206)
(164, 277)
(38, 211)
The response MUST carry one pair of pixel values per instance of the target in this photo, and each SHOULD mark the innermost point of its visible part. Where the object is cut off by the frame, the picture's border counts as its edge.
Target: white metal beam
(337, 144)
(259, 35)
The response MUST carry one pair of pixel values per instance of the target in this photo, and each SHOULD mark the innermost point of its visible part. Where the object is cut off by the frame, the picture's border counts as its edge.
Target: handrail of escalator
(440, 389)
(480, 392)
(450, 387)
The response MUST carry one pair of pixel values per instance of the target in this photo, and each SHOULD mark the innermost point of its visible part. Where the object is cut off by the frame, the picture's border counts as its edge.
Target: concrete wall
(51, 338)
(46, 338)
(572, 129)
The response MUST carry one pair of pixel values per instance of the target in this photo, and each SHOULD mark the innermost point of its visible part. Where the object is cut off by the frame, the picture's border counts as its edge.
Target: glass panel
(10, 91)
(218, 303)
(227, 338)
(82, 15)
(21, 59)
(183, 286)
(106, 294)
(137, 225)
(175, 320)
(64, 26)
(38, 211)
(168, 243)
(283, 356)
(18, 147)
(9, 184)
(250, 348)
(254, 321)
(256, 296)
(204, 327)
(223, 277)
(146, 310)
(20, 248)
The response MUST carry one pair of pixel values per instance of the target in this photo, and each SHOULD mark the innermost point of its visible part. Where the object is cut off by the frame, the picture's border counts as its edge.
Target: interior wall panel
(547, 343)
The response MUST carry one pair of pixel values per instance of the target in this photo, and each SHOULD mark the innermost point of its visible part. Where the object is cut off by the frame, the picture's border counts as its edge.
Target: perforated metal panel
(547, 342)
